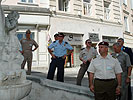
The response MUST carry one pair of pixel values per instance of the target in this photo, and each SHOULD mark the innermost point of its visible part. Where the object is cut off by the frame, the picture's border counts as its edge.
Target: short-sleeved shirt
(86, 54)
(124, 60)
(60, 49)
(28, 44)
(105, 68)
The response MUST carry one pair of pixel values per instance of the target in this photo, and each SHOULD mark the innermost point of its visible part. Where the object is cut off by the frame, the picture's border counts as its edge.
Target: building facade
(79, 20)
(127, 20)
(83, 19)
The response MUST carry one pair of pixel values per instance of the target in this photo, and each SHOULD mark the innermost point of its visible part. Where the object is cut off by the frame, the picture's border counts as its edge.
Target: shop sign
(109, 39)
(74, 39)
(94, 37)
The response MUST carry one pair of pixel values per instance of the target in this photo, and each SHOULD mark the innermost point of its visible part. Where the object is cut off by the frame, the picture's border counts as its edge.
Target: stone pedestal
(15, 92)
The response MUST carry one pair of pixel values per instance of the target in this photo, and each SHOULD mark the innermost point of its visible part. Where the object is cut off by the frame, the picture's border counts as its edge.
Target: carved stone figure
(11, 57)
(12, 77)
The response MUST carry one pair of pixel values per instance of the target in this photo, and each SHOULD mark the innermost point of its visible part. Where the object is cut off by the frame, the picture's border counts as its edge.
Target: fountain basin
(15, 92)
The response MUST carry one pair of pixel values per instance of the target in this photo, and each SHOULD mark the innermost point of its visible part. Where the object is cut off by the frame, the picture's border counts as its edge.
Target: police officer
(58, 57)
(130, 53)
(27, 50)
(56, 36)
(125, 63)
(104, 69)
(85, 56)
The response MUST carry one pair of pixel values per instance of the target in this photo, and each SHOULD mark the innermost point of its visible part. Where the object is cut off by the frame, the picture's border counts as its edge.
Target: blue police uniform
(59, 51)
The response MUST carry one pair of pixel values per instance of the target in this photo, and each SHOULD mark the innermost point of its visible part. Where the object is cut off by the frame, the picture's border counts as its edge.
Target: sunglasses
(60, 36)
(89, 42)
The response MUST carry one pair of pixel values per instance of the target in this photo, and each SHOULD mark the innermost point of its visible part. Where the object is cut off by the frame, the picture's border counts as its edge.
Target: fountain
(13, 83)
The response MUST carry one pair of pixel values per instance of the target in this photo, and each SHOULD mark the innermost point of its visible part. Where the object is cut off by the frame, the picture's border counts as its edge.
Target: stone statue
(12, 77)
(11, 72)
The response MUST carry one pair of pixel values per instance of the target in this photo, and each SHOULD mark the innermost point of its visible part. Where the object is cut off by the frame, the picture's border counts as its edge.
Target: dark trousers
(129, 92)
(59, 63)
(81, 73)
(105, 90)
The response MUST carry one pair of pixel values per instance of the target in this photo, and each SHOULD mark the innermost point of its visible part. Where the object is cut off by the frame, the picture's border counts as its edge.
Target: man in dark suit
(130, 53)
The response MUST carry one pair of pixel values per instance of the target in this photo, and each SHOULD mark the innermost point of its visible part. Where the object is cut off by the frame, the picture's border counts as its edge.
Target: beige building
(127, 20)
(82, 19)
(77, 19)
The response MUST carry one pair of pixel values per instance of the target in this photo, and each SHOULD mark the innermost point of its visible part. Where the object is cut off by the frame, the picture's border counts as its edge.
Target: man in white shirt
(103, 71)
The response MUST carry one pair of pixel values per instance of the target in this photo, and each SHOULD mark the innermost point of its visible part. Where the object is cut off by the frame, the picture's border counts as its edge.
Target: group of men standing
(109, 75)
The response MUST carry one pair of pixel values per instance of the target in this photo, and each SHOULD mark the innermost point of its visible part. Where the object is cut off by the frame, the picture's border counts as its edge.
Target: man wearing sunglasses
(85, 56)
(58, 57)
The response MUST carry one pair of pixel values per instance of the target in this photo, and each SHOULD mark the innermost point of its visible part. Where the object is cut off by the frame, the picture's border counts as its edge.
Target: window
(106, 13)
(86, 7)
(30, 1)
(27, 1)
(125, 2)
(64, 5)
(88, 1)
(126, 24)
(106, 10)
(21, 35)
(23, 0)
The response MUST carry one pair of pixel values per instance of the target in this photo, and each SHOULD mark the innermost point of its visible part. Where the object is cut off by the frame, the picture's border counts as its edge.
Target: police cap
(61, 34)
(56, 35)
(103, 43)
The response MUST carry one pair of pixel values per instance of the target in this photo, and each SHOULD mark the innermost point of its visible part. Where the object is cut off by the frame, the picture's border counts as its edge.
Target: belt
(105, 79)
(58, 57)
